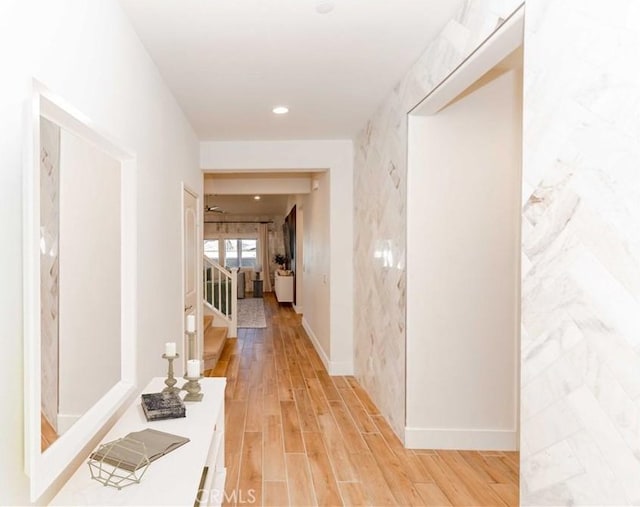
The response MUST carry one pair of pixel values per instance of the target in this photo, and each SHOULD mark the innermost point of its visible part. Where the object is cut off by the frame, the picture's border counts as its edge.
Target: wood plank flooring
(296, 436)
(47, 434)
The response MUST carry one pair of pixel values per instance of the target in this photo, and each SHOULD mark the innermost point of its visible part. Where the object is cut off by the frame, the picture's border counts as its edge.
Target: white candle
(191, 323)
(170, 349)
(193, 368)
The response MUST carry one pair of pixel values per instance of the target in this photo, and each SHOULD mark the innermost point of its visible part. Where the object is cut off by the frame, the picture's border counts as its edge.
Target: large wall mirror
(79, 286)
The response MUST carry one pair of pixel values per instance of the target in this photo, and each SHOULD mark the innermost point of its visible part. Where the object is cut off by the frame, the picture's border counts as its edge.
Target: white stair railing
(221, 293)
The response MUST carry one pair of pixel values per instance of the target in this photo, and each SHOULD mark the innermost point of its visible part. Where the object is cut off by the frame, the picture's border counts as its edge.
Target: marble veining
(380, 184)
(580, 417)
(49, 264)
(580, 340)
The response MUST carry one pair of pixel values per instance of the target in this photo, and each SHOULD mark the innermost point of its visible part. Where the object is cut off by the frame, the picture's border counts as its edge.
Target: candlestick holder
(193, 388)
(191, 344)
(170, 380)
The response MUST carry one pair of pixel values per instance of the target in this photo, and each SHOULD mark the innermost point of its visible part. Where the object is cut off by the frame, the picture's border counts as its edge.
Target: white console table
(174, 479)
(284, 287)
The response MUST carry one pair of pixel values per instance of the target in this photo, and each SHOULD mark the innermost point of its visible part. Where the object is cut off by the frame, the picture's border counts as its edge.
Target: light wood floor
(296, 436)
(47, 434)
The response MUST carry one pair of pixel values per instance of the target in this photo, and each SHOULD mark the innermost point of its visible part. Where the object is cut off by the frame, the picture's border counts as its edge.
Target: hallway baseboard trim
(460, 439)
(334, 368)
(316, 343)
(297, 309)
(340, 368)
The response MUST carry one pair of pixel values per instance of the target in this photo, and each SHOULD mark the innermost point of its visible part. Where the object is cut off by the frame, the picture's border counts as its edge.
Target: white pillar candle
(191, 323)
(193, 368)
(170, 349)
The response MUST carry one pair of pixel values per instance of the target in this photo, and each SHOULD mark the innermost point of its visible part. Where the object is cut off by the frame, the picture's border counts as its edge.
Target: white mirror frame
(44, 468)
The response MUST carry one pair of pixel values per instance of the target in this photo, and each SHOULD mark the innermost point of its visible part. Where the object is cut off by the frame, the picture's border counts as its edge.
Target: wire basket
(119, 463)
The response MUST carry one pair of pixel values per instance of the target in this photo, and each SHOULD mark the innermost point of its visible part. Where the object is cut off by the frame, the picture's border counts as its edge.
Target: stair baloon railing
(221, 292)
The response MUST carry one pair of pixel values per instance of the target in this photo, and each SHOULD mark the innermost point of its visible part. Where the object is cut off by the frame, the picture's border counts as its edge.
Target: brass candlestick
(170, 380)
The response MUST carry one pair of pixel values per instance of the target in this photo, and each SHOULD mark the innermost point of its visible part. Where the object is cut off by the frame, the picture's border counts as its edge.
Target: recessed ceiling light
(256, 197)
(324, 7)
(280, 110)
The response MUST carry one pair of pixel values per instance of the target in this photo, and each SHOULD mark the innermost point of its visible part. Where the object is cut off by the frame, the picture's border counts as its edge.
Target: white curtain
(263, 246)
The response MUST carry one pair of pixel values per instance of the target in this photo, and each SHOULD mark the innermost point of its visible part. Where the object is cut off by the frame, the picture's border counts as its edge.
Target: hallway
(296, 436)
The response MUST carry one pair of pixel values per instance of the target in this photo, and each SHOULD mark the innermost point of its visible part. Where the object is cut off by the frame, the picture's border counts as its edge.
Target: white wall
(90, 241)
(337, 158)
(300, 232)
(87, 53)
(463, 249)
(257, 185)
(316, 289)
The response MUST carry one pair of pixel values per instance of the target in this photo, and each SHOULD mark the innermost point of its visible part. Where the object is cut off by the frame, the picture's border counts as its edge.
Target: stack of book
(159, 406)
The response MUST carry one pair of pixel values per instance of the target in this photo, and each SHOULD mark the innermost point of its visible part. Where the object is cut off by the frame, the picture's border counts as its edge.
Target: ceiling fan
(208, 208)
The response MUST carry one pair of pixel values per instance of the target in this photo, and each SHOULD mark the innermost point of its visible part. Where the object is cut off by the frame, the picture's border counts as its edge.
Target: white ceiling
(228, 62)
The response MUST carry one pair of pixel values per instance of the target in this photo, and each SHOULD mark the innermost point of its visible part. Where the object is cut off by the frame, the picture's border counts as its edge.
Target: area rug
(251, 313)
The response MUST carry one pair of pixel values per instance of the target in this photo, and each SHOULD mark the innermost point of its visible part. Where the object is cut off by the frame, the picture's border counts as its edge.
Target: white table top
(172, 479)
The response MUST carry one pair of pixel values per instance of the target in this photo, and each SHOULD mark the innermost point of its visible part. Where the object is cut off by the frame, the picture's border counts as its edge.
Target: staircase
(214, 340)
(219, 309)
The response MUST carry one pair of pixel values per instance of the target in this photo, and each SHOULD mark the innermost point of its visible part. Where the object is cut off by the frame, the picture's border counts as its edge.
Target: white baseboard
(340, 368)
(460, 439)
(316, 343)
(333, 367)
(297, 309)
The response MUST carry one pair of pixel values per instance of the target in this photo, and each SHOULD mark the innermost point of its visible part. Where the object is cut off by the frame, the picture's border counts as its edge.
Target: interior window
(233, 252)
(248, 249)
(212, 249)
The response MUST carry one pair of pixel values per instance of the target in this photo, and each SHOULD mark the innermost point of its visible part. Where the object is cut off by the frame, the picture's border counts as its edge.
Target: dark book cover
(157, 406)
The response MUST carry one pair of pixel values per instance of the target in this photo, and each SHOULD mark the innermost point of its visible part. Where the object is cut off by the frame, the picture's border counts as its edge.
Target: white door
(190, 266)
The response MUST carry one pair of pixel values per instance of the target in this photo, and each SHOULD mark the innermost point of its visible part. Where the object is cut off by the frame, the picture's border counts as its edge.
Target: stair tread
(214, 339)
(208, 320)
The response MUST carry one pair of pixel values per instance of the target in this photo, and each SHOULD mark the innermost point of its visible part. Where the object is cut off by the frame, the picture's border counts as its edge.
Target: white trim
(461, 439)
(44, 468)
(502, 42)
(334, 368)
(199, 268)
(316, 343)
(297, 309)
(340, 368)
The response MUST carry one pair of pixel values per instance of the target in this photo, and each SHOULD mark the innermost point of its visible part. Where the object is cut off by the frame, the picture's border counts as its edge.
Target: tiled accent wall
(49, 266)
(380, 214)
(580, 418)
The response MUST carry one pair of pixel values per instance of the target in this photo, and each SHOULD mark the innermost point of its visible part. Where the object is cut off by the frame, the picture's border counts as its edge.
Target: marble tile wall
(49, 267)
(380, 169)
(580, 406)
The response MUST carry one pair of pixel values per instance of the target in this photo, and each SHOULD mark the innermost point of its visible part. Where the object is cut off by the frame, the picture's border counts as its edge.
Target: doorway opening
(463, 253)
